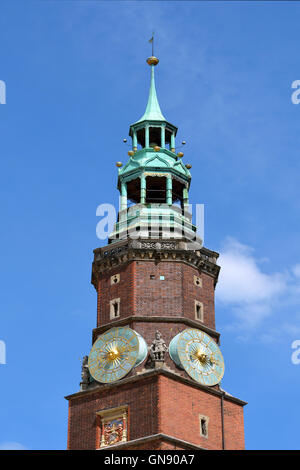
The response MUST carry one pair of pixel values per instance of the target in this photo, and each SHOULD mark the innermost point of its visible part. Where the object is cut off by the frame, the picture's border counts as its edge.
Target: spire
(153, 111)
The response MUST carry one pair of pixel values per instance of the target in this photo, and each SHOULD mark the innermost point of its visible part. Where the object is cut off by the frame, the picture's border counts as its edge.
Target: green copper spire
(152, 130)
(154, 180)
(153, 111)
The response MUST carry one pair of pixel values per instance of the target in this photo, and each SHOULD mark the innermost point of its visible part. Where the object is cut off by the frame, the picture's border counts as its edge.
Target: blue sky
(76, 78)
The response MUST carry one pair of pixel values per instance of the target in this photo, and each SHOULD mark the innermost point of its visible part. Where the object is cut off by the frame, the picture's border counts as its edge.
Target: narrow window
(152, 276)
(114, 308)
(204, 426)
(198, 310)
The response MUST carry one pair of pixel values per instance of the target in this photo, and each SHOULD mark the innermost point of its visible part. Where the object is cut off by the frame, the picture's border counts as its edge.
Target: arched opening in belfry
(154, 137)
(134, 191)
(177, 193)
(168, 135)
(156, 189)
(140, 135)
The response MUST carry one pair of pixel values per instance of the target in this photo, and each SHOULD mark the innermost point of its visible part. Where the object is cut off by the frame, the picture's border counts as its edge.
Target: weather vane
(152, 42)
(152, 60)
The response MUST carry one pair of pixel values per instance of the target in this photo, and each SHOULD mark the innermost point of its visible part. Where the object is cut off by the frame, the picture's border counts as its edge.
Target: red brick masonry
(164, 405)
(174, 296)
(158, 403)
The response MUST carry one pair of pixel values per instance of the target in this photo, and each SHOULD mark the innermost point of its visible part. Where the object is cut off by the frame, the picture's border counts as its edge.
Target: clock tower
(152, 379)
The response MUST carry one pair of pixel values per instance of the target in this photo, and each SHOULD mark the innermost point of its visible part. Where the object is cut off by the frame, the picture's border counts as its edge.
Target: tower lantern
(154, 180)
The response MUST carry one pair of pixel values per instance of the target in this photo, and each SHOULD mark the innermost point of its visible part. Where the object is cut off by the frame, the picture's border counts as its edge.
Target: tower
(152, 378)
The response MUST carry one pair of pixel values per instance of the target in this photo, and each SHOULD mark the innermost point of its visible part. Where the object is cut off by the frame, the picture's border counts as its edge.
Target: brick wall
(123, 290)
(234, 426)
(181, 404)
(157, 404)
(142, 401)
(141, 295)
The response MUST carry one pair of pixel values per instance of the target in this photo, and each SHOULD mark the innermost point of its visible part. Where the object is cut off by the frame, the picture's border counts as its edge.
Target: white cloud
(241, 279)
(10, 445)
(253, 295)
(296, 270)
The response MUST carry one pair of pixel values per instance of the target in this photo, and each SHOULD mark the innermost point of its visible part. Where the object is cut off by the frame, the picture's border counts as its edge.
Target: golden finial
(119, 164)
(152, 60)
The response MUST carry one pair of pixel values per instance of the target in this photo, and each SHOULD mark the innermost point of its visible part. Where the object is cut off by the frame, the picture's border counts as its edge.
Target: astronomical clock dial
(115, 353)
(197, 353)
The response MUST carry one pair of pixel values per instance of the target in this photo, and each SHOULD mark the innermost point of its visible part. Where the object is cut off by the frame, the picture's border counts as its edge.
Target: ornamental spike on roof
(153, 111)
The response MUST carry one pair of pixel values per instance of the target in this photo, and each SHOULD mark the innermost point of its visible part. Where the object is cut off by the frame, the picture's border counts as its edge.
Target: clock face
(115, 353)
(198, 354)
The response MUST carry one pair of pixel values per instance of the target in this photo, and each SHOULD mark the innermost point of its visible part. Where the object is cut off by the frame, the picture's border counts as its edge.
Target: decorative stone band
(153, 438)
(119, 253)
(155, 372)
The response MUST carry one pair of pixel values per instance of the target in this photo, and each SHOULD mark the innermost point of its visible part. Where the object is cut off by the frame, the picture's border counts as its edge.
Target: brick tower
(152, 378)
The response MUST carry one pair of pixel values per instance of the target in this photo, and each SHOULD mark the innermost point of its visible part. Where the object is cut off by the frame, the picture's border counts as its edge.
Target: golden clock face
(115, 353)
(199, 355)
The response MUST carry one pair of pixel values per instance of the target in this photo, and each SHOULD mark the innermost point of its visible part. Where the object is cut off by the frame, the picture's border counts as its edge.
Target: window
(197, 281)
(203, 426)
(152, 276)
(156, 189)
(198, 310)
(114, 279)
(162, 278)
(114, 308)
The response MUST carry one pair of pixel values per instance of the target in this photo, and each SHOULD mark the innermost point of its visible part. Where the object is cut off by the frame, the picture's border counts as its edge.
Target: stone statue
(85, 373)
(158, 348)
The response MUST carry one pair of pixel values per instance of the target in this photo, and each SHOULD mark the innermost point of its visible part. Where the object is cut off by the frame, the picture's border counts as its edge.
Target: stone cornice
(155, 319)
(151, 438)
(152, 374)
(125, 251)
